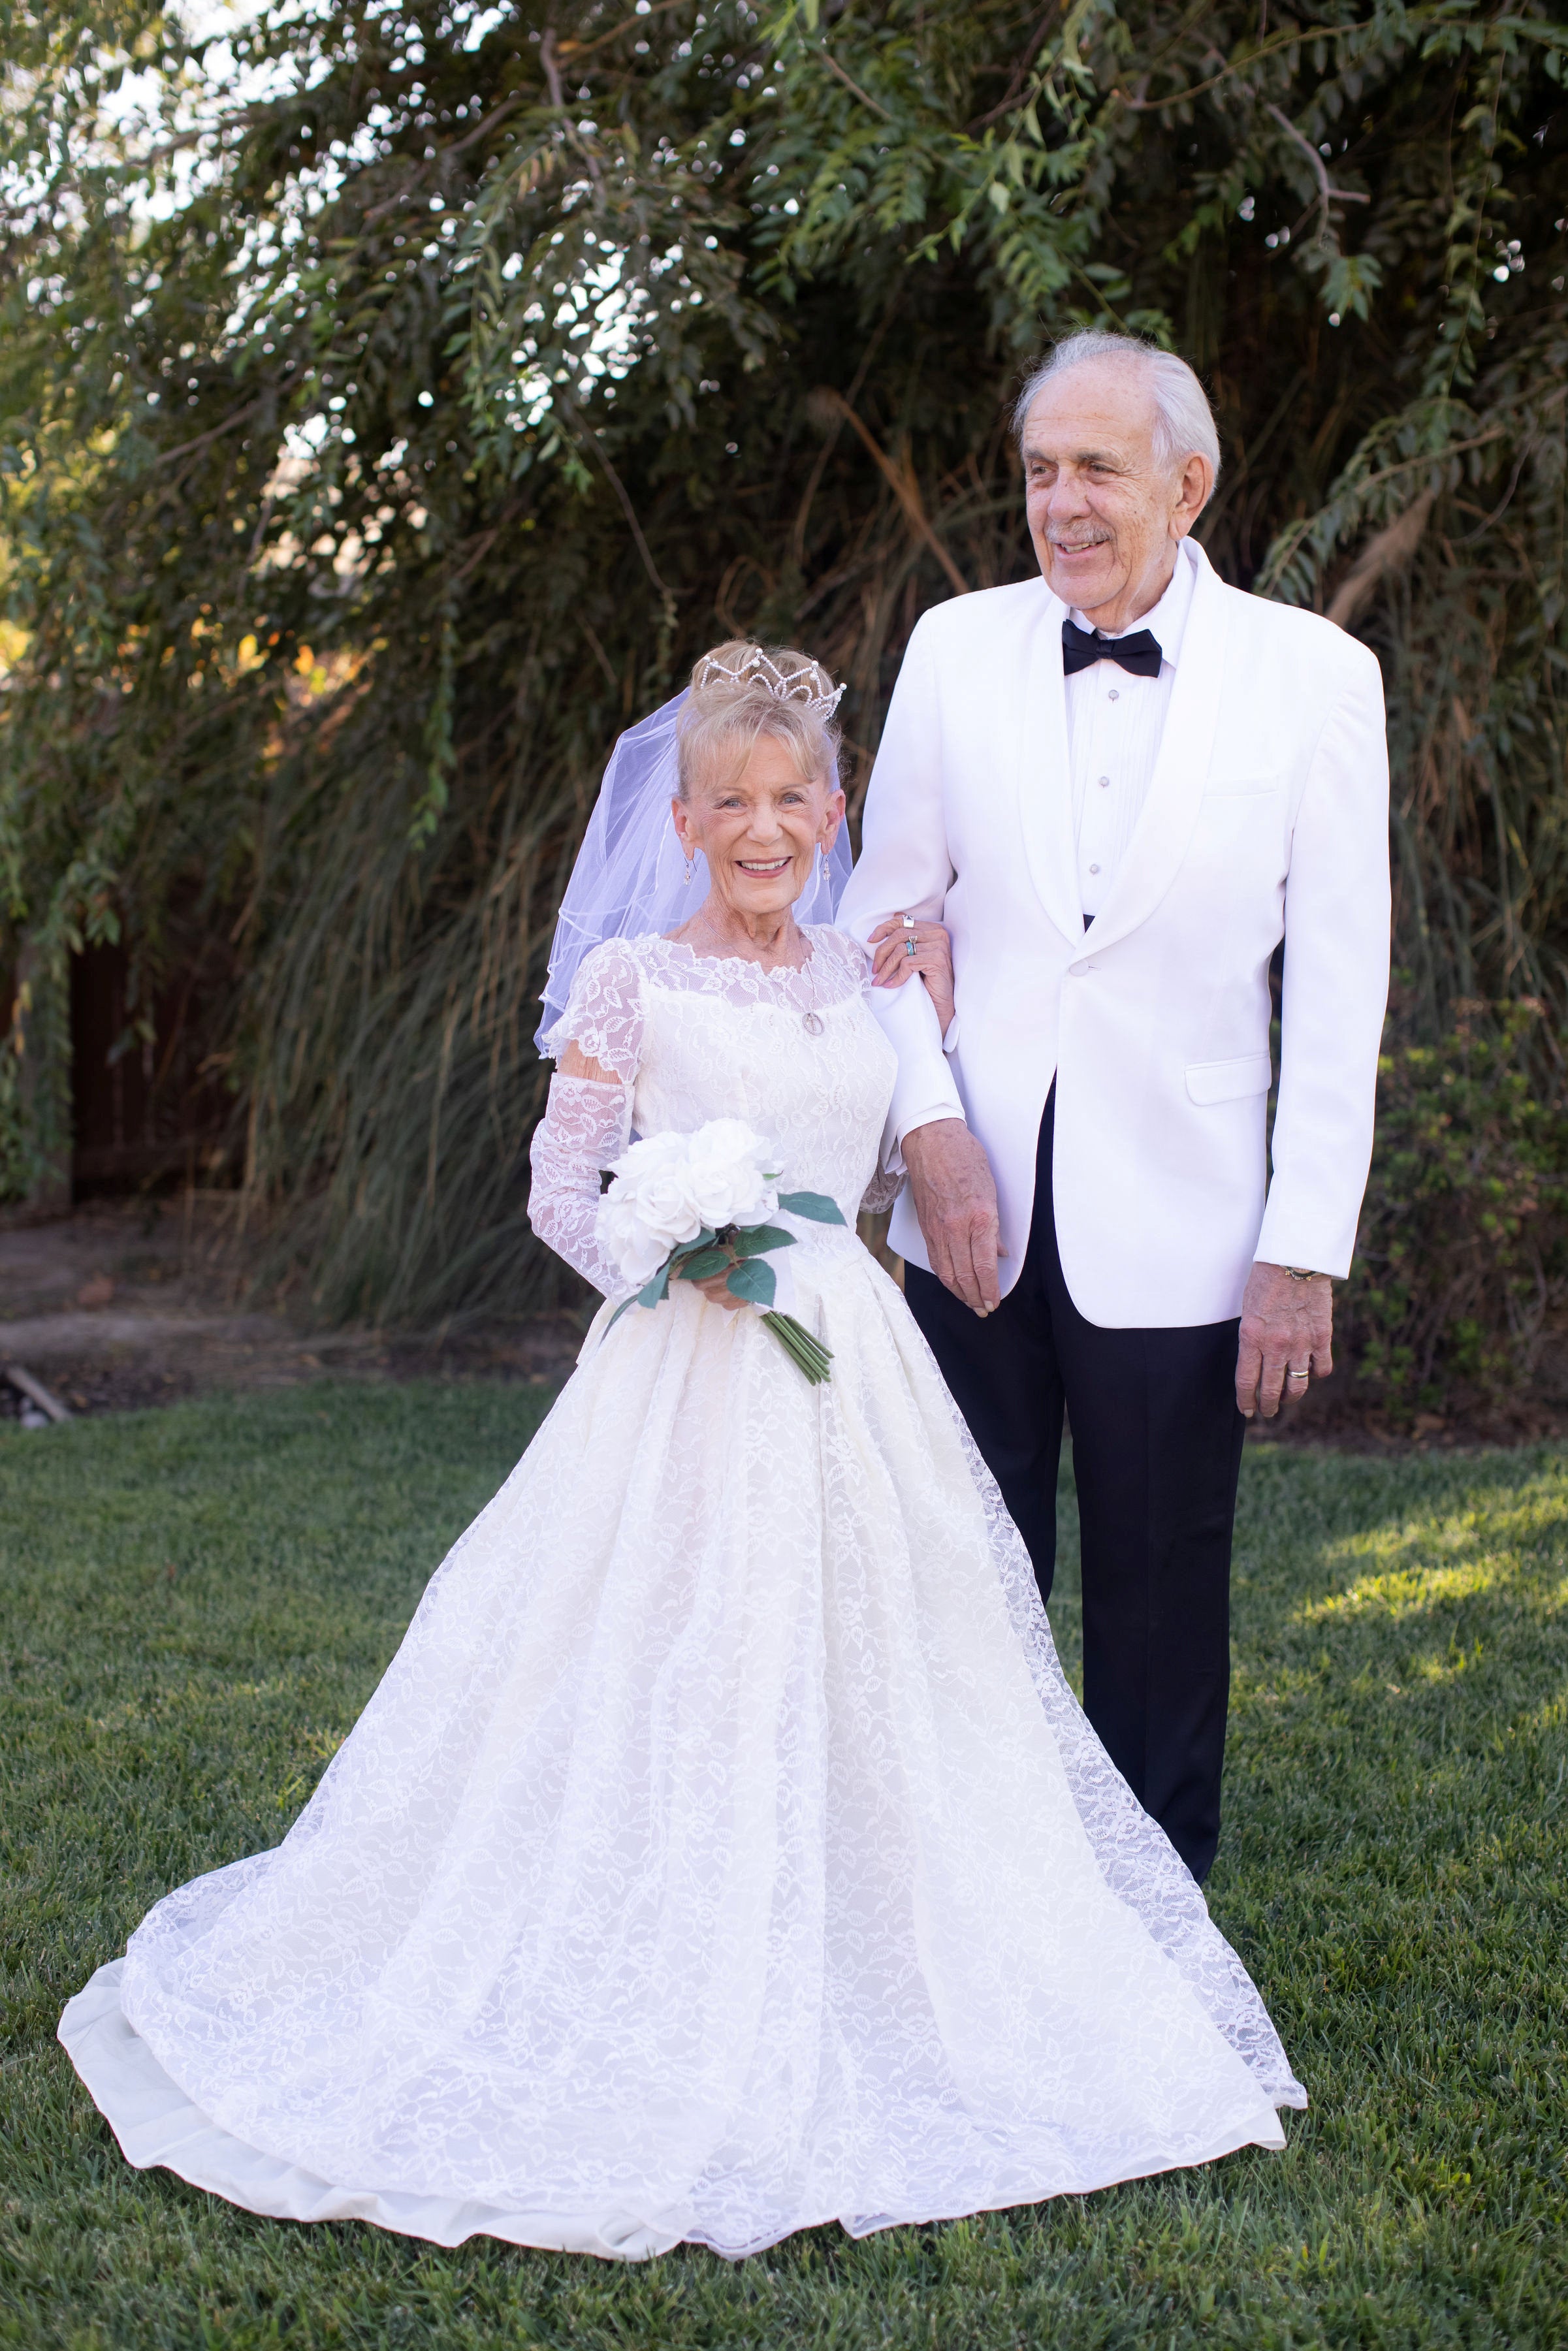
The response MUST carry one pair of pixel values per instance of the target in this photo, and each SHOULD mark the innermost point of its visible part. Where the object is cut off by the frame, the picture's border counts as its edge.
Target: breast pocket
(1243, 788)
(1208, 1082)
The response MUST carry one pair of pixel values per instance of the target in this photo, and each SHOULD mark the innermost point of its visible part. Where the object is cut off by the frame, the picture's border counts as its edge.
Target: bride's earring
(691, 869)
(827, 869)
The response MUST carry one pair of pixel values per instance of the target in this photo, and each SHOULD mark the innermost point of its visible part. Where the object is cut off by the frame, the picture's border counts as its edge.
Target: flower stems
(808, 1354)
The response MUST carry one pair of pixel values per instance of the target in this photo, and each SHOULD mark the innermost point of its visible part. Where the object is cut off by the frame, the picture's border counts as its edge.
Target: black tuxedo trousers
(1156, 1451)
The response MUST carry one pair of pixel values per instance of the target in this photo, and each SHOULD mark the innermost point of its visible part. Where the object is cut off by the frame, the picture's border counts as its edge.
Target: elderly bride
(723, 1852)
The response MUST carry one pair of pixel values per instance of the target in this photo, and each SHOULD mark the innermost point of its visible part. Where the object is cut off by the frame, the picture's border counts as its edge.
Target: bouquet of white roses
(682, 1208)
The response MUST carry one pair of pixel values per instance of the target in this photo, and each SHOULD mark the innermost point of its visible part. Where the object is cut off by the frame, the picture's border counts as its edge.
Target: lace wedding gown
(723, 1852)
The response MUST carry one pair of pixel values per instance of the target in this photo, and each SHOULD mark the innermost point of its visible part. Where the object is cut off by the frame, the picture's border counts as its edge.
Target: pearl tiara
(797, 685)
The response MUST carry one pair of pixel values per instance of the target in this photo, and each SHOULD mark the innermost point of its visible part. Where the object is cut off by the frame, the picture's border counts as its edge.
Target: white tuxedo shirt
(1115, 723)
(1266, 816)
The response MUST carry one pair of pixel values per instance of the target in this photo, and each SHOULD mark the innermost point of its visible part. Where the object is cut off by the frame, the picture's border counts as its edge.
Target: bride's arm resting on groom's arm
(949, 1175)
(893, 964)
(950, 1180)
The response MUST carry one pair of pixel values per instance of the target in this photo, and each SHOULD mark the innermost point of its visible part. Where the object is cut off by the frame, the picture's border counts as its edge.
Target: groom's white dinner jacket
(1267, 815)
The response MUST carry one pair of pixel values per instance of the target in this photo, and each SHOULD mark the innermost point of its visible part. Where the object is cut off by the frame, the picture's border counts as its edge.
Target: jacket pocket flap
(1218, 1081)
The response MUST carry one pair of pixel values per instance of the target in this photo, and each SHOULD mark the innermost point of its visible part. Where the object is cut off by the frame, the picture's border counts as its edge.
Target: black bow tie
(1081, 648)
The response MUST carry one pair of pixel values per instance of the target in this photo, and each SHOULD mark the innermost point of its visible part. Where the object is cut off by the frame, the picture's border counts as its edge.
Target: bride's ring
(908, 920)
(912, 945)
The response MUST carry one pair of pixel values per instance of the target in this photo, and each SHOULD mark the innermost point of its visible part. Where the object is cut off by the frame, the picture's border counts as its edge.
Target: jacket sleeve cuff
(925, 1089)
(1287, 1240)
(894, 1133)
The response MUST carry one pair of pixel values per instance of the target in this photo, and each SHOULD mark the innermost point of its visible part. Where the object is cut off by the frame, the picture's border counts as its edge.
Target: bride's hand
(892, 962)
(714, 1289)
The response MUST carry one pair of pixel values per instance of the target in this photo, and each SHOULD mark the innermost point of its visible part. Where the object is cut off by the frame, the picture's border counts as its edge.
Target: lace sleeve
(604, 1015)
(881, 1192)
(846, 950)
(585, 1126)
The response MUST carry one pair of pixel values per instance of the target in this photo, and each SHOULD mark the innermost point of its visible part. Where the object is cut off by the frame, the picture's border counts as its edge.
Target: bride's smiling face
(759, 830)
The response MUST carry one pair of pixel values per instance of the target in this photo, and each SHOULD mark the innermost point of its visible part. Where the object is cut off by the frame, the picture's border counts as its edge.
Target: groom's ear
(1197, 488)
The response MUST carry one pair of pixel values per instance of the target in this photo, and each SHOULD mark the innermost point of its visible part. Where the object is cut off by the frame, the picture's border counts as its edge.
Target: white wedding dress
(723, 1852)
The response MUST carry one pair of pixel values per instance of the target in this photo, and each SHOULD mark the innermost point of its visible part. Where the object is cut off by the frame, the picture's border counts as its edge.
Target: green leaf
(757, 1238)
(815, 1206)
(701, 1264)
(650, 1294)
(753, 1282)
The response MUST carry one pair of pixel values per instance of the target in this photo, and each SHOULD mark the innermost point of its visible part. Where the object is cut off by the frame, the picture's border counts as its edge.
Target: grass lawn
(194, 1604)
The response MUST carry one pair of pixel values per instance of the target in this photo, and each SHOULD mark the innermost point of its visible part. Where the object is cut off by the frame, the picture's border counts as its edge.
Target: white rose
(654, 1151)
(668, 1186)
(665, 1207)
(650, 1205)
(728, 1179)
(627, 1241)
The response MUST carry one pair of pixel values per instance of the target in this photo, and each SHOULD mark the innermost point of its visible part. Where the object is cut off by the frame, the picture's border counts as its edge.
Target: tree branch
(1237, 65)
(574, 49)
(1390, 551)
(813, 479)
(1021, 65)
(627, 509)
(558, 99)
(1326, 195)
(167, 456)
(553, 69)
(834, 67)
(901, 486)
(507, 106)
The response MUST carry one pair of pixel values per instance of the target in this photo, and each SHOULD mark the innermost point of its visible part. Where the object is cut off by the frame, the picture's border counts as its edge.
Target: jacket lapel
(1160, 839)
(1044, 768)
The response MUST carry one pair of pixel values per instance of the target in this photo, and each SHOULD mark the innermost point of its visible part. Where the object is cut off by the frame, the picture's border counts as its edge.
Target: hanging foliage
(394, 401)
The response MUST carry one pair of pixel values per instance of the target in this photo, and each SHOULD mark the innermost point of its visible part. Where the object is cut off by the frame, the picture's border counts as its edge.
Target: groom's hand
(956, 1201)
(1287, 1337)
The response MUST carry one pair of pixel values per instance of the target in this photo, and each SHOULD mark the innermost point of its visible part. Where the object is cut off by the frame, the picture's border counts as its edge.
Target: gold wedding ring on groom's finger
(1292, 1374)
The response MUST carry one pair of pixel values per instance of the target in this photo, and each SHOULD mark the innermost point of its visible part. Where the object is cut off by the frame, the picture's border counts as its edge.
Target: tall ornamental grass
(395, 401)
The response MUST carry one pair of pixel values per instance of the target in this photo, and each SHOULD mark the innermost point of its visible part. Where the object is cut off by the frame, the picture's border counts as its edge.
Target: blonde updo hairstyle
(740, 692)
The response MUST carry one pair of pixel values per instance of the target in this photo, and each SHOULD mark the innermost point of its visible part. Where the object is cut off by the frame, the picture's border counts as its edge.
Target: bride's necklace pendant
(811, 1022)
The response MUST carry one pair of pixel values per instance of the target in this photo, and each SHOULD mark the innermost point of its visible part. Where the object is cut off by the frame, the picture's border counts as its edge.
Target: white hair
(1184, 421)
(740, 690)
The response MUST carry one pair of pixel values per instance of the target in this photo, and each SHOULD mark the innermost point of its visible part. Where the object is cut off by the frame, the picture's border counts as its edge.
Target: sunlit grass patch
(1393, 1871)
(1402, 1591)
(1399, 1570)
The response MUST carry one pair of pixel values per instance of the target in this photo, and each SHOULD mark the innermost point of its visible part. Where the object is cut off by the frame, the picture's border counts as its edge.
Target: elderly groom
(1120, 786)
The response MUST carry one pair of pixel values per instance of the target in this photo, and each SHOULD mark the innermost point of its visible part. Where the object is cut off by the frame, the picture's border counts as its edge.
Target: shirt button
(1115, 695)
(1105, 782)
(1093, 869)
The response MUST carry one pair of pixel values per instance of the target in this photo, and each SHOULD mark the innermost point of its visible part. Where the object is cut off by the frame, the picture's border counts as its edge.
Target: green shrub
(394, 401)
(1462, 1259)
